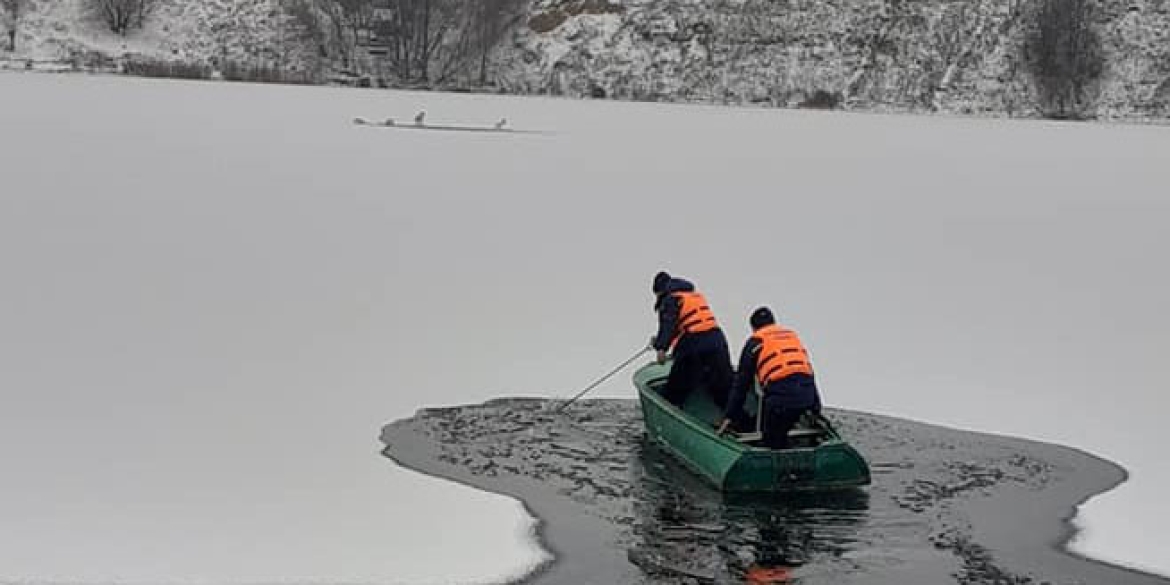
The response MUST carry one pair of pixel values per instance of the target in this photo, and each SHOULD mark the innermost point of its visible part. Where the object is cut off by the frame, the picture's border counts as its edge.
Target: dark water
(619, 509)
(687, 529)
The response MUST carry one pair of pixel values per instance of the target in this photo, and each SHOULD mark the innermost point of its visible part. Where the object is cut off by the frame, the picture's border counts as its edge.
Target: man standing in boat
(688, 328)
(774, 358)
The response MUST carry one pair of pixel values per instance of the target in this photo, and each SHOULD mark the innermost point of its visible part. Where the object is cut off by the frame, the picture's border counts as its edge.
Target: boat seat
(793, 434)
(798, 433)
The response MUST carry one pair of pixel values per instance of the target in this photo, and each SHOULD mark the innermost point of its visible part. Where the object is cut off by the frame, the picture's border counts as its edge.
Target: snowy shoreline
(59, 67)
(994, 507)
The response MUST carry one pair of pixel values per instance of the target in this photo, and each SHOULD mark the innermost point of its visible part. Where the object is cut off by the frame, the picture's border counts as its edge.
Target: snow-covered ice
(214, 295)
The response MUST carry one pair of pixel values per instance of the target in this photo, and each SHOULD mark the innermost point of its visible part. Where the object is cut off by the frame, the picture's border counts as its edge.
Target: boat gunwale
(735, 450)
(738, 452)
(679, 414)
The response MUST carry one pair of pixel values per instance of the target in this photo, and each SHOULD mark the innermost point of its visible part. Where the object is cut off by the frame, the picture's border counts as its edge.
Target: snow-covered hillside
(877, 55)
(195, 31)
(933, 55)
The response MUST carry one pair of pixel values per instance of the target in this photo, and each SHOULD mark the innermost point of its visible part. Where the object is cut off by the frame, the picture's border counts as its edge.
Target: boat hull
(732, 466)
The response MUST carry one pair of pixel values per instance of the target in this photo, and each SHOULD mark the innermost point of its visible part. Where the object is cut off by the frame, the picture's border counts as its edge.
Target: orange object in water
(758, 575)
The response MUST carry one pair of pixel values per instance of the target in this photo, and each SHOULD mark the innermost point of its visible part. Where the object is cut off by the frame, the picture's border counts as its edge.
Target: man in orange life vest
(775, 358)
(686, 324)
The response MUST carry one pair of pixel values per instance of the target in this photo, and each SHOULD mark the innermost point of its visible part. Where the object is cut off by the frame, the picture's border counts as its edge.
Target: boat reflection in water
(687, 531)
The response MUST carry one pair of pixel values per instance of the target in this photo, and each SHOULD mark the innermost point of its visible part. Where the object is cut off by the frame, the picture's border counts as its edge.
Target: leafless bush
(822, 100)
(263, 73)
(1065, 56)
(13, 10)
(92, 60)
(122, 15)
(168, 69)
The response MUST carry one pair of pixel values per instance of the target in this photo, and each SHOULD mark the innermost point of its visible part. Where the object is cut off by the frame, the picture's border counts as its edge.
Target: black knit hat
(660, 281)
(761, 317)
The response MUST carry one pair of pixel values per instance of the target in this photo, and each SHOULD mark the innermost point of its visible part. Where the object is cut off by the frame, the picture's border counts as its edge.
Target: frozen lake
(214, 295)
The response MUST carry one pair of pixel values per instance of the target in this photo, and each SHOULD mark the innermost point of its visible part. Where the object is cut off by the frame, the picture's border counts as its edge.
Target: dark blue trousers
(785, 401)
(708, 370)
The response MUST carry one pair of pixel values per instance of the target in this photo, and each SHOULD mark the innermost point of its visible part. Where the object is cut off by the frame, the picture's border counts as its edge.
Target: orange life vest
(694, 316)
(781, 354)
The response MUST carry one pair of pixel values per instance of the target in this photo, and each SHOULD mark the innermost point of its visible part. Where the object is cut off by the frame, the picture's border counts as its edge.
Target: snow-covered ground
(51, 31)
(214, 295)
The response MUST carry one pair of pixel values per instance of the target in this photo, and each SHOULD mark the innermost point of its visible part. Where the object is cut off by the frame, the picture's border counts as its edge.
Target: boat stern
(831, 465)
(838, 464)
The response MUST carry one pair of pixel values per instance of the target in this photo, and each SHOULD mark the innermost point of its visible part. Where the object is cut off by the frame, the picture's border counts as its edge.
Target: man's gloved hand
(661, 356)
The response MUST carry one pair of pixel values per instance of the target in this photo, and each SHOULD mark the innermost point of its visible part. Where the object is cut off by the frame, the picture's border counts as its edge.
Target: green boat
(818, 458)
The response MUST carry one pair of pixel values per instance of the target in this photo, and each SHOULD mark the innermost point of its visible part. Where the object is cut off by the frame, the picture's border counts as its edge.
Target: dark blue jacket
(795, 391)
(668, 308)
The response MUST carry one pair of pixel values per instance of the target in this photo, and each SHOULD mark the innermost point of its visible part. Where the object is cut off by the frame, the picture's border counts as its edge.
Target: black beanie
(761, 317)
(660, 281)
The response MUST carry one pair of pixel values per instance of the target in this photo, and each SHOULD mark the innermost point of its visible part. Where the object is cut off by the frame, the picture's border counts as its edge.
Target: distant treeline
(400, 42)
(450, 44)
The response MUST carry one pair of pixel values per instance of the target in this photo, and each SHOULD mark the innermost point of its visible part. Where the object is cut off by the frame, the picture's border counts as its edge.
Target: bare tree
(303, 26)
(1065, 55)
(334, 16)
(404, 30)
(346, 20)
(440, 23)
(14, 9)
(425, 41)
(425, 44)
(359, 15)
(122, 15)
(490, 19)
(954, 37)
(415, 39)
